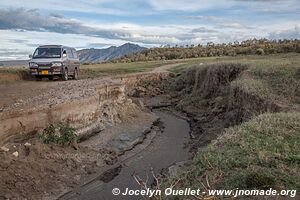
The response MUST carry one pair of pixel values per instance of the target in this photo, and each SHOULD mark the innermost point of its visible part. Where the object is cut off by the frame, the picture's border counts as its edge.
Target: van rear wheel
(65, 75)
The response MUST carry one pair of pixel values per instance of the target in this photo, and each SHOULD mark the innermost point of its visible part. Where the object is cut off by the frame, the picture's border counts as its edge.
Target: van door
(65, 58)
(76, 59)
(70, 61)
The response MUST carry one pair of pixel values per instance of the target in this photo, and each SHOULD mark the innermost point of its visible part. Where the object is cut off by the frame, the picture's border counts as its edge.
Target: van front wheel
(75, 76)
(65, 75)
(38, 78)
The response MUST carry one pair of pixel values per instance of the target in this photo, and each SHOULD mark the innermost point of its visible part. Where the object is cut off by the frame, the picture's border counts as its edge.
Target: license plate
(44, 72)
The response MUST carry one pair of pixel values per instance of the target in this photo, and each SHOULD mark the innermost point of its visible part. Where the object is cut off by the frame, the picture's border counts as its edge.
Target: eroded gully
(157, 152)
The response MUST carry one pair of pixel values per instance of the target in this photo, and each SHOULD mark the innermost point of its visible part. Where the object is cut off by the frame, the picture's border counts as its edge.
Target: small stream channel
(165, 149)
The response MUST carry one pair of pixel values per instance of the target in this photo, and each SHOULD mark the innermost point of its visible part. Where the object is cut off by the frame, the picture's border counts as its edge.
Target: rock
(175, 169)
(16, 154)
(75, 144)
(27, 144)
(5, 149)
(124, 137)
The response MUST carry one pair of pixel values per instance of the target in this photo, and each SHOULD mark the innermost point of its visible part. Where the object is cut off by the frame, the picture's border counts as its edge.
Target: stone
(5, 149)
(75, 144)
(124, 137)
(27, 144)
(16, 154)
(174, 169)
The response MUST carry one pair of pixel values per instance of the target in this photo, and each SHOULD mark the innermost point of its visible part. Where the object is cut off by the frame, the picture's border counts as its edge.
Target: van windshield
(47, 53)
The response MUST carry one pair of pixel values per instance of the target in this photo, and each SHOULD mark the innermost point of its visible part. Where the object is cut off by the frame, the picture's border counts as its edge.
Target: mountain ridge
(94, 55)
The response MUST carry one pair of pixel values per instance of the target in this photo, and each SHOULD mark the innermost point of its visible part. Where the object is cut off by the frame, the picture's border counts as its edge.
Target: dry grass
(98, 70)
(9, 75)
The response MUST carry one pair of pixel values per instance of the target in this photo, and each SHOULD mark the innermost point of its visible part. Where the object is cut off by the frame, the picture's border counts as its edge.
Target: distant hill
(113, 52)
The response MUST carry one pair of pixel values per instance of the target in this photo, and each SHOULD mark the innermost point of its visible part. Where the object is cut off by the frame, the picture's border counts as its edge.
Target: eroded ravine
(155, 153)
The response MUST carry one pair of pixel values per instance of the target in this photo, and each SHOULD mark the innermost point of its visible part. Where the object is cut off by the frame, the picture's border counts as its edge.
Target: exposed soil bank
(44, 171)
(213, 101)
(87, 105)
(166, 148)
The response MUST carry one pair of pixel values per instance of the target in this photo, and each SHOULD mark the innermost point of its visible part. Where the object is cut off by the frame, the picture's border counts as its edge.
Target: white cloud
(264, 6)
(21, 44)
(293, 33)
(276, 6)
(206, 18)
(220, 22)
(189, 5)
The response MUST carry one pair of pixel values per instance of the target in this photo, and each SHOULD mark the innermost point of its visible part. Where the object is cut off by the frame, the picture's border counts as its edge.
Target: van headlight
(32, 64)
(56, 64)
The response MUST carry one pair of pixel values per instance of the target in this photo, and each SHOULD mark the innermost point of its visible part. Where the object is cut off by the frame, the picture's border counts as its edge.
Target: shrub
(66, 134)
(48, 134)
(63, 134)
(260, 51)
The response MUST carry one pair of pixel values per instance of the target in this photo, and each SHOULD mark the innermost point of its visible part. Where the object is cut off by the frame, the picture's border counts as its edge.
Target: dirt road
(24, 94)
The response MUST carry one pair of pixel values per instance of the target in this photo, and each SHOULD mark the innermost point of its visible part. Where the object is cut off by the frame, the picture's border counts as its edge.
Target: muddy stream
(158, 151)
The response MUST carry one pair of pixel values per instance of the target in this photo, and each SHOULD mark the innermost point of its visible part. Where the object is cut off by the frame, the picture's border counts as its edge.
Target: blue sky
(25, 24)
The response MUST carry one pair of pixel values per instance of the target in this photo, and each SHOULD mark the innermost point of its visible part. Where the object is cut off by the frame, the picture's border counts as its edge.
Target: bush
(66, 134)
(63, 134)
(260, 51)
(48, 134)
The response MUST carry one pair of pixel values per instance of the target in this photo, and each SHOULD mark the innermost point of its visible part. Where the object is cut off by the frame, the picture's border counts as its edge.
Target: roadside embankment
(87, 105)
(108, 105)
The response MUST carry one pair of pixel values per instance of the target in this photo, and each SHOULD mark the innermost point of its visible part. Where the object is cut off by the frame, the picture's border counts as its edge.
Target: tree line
(247, 47)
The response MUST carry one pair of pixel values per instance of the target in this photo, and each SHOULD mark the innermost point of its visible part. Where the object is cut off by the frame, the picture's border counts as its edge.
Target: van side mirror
(30, 56)
(64, 54)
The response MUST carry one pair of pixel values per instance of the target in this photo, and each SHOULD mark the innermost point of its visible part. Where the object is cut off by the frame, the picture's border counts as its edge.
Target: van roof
(54, 46)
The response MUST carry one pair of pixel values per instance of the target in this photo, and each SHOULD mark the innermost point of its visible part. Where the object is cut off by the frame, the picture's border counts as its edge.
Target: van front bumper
(45, 71)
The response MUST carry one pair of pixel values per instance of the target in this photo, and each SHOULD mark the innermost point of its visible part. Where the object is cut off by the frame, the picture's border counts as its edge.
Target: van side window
(74, 53)
(69, 53)
(64, 52)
